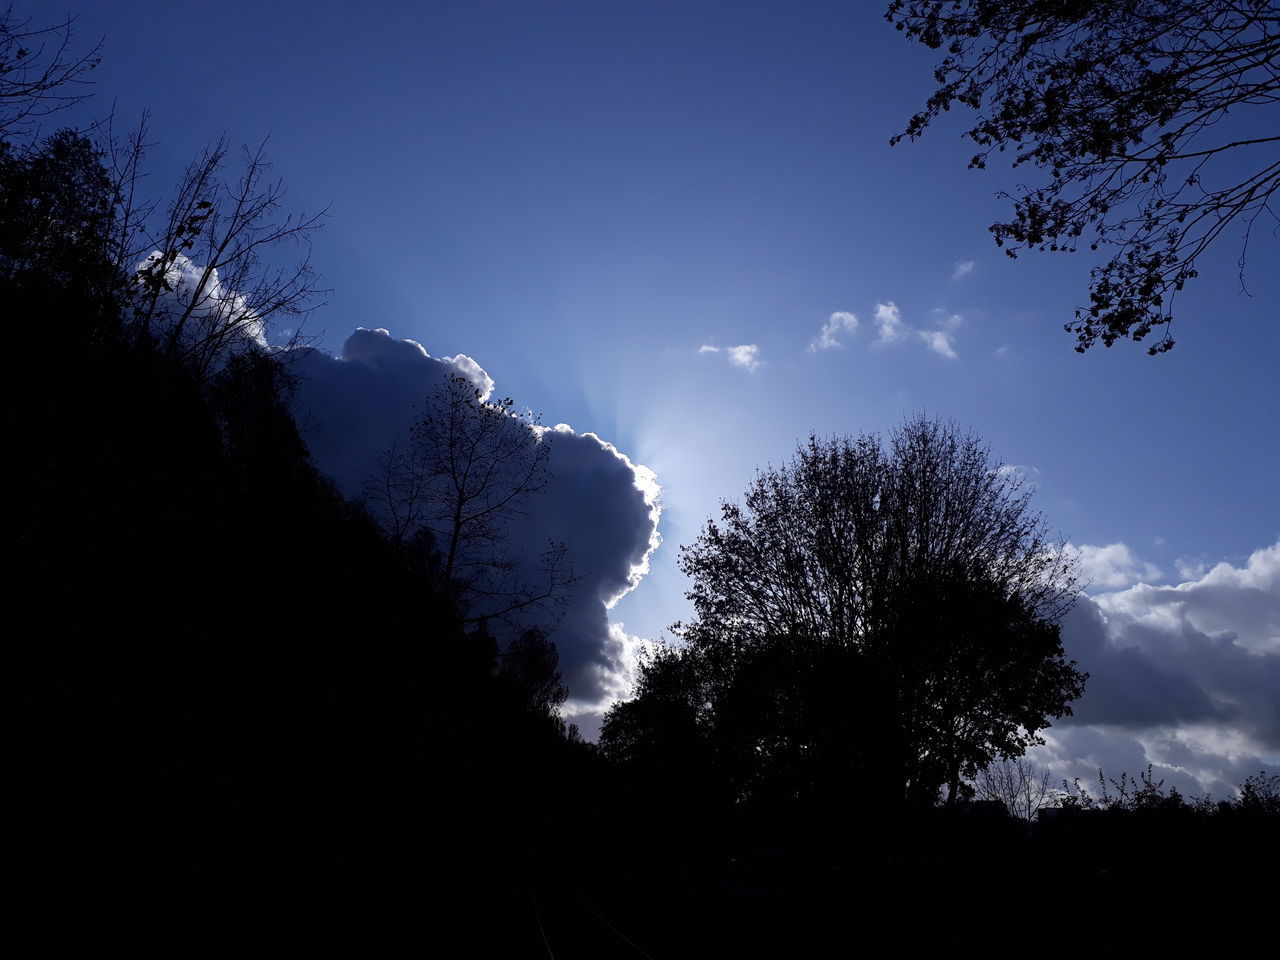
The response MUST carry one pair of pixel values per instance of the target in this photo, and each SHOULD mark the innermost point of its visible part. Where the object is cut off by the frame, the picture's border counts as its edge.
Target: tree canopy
(889, 609)
(1142, 114)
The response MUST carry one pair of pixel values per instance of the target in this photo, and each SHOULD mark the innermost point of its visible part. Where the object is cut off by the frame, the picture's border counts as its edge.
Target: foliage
(1127, 795)
(1132, 108)
(1260, 793)
(889, 610)
(531, 665)
(663, 717)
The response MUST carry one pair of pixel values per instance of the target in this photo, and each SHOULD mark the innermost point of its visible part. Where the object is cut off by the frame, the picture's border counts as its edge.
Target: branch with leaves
(1138, 111)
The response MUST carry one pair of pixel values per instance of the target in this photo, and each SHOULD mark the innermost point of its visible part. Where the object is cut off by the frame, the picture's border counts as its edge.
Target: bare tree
(39, 73)
(471, 468)
(194, 273)
(1017, 783)
(203, 287)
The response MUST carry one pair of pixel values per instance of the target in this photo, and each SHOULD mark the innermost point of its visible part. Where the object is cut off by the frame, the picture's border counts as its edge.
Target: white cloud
(891, 328)
(1022, 473)
(1190, 568)
(1112, 566)
(1243, 602)
(745, 355)
(213, 316)
(839, 322)
(963, 269)
(889, 322)
(939, 341)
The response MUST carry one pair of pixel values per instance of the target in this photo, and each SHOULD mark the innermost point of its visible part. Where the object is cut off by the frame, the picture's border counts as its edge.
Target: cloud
(1182, 677)
(1112, 566)
(216, 320)
(963, 269)
(354, 406)
(838, 323)
(1018, 472)
(889, 323)
(745, 355)
(1240, 602)
(891, 329)
(1190, 568)
(358, 404)
(939, 341)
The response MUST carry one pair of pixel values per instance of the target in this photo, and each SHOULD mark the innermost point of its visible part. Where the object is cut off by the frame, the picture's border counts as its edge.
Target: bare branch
(39, 73)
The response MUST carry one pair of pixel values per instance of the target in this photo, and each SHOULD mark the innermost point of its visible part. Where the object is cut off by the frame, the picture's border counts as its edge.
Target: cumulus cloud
(745, 355)
(360, 403)
(1112, 566)
(962, 269)
(838, 323)
(1181, 677)
(604, 507)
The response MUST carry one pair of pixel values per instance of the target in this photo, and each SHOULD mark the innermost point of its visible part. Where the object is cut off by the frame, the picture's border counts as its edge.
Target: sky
(678, 229)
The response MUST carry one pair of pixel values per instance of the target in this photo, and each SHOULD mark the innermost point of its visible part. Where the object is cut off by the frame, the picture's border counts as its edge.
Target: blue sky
(582, 195)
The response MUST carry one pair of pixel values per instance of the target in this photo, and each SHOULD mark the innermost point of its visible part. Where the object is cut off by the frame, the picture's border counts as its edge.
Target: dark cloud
(354, 406)
(604, 507)
(595, 504)
(1126, 687)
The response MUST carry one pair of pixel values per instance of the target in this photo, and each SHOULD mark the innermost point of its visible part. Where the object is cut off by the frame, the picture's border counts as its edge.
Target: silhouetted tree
(202, 288)
(920, 574)
(1132, 109)
(1260, 794)
(472, 467)
(664, 718)
(39, 72)
(233, 710)
(1017, 783)
(531, 664)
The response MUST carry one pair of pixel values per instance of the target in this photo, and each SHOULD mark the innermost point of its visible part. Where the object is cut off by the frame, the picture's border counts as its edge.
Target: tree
(471, 468)
(1017, 783)
(1139, 112)
(190, 274)
(38, 71)
(913, 580)
(201, 287)
(57, 217)
(531, 666)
